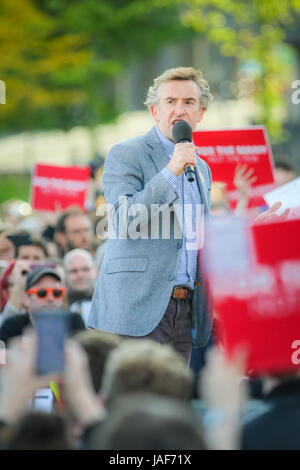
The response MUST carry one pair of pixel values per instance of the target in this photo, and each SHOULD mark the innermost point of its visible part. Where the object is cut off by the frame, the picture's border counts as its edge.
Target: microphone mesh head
(182, 131)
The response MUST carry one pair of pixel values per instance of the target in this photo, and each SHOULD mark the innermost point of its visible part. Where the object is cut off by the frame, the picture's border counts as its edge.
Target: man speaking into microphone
(150, 286)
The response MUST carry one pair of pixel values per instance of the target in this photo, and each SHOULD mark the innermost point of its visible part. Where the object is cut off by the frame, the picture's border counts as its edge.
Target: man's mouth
(176, 120)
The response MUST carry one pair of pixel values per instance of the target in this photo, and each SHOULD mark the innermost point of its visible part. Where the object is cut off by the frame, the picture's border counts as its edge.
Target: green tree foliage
(14, 187)
(252, 30)
(33, 56)
(60, 57)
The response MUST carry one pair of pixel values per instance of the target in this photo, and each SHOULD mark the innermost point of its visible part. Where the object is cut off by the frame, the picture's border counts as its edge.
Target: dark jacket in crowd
(278, 427)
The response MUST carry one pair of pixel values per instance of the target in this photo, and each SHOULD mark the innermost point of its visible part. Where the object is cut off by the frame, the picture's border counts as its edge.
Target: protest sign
(256, 289)
(55, 187)
(223, 150)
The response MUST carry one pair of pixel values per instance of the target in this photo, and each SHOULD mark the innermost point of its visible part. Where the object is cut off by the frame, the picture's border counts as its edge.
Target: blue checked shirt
(189, 199)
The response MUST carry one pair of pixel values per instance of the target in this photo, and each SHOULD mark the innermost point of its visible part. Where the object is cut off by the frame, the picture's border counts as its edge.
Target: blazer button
(171, 277)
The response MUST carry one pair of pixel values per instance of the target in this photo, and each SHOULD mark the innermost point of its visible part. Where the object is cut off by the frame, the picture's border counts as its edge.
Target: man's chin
(52, 307)
(74, 295)
(81, 288)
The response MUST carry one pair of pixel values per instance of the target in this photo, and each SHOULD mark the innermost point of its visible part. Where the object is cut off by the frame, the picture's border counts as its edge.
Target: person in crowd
(29, 247)
(163, 411)
(81, 275)
(81, 399)
(244, 177)
(80, 271)
(43, 291)
(38, 431)
(232, 421)
(12, 284)
(223, 395)
(149, 171)
(98, 345)
(147, 422)
(19, 382)
(276, 427)
(7, 248)
(145, 366)
(13, 288)
(74, 230)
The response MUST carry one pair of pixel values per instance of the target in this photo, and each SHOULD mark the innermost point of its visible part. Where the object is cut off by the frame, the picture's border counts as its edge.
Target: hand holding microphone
(184, 156)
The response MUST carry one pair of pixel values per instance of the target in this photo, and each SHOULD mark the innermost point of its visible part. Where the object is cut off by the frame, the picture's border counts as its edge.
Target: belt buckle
(174, 292)
(181, 288)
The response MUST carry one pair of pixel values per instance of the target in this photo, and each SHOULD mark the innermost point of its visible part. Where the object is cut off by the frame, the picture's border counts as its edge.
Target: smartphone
(52, 328)
(42, 265)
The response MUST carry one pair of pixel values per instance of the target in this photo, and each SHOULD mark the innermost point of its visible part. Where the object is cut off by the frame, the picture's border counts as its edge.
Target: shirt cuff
(170, 178)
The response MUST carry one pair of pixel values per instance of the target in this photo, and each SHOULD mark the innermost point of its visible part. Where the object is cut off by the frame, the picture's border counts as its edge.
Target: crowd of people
(105, 342)
(116, 393)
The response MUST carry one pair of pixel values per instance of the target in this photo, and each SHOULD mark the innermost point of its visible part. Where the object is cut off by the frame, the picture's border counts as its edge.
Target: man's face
(49, 302)
(80, 273)
(31, 253)
(79, 232)
(7, 249)
(179, 101)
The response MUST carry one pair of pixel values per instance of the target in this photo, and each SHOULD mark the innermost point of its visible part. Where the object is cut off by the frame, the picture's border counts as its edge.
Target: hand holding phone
(19, 273)
(51, 327)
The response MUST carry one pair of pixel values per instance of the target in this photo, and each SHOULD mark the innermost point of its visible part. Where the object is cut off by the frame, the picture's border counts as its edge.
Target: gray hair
(78, 251)
(180, 73)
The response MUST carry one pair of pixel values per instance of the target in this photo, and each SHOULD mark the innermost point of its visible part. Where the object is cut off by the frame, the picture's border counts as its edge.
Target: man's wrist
(12, 307)
(172, 169)
(170, 177)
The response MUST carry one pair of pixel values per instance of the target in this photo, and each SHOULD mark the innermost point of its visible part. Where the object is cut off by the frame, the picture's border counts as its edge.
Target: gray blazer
(137, 275)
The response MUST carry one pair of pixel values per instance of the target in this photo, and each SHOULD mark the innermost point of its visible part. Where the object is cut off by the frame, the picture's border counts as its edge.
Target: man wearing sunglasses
(44, 291)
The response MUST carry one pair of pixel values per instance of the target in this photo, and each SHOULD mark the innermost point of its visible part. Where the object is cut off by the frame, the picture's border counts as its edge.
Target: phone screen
(41, 265)
(51, 328)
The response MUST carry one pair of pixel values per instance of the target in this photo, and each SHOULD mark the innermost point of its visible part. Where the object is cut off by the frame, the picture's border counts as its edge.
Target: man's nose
(51, 298)
(180, 109)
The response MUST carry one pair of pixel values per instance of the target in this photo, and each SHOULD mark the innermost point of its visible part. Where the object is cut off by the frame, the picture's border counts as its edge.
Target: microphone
(182, 132)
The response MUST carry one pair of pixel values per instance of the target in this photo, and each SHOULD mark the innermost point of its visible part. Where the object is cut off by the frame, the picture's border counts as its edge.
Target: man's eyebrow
(189, 98)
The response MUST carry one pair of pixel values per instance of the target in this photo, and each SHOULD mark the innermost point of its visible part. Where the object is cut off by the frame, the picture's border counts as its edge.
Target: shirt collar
(167, 143)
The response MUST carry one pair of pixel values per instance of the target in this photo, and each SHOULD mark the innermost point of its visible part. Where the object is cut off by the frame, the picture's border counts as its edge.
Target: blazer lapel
(156, 150)
(160, 160)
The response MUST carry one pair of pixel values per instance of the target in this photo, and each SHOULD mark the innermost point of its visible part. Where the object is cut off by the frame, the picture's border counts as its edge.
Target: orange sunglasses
(43, 293)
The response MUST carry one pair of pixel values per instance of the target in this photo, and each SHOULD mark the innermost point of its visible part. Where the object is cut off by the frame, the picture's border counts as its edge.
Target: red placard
(58, 186)
(258, 301)
(223, 150)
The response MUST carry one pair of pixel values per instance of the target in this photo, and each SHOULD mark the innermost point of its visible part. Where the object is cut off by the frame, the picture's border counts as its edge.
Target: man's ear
(61, 239)
(154, 112)
(25, 301)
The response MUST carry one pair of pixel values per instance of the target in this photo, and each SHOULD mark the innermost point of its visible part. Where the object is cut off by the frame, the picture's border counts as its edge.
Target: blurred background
(74, 74)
